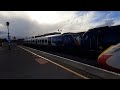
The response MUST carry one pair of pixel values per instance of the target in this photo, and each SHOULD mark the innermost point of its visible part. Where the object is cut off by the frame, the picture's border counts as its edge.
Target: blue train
(98, 39)
(61, 42)
(92, 42)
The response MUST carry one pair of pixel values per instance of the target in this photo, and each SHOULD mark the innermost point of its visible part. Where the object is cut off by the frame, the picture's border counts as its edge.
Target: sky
(30, 23)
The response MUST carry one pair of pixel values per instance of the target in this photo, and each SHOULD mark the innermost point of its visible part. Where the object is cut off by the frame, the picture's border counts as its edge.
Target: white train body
(110, 58)
(43, 41)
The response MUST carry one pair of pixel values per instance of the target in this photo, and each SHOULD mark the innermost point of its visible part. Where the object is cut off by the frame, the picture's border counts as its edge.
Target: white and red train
(110, 58)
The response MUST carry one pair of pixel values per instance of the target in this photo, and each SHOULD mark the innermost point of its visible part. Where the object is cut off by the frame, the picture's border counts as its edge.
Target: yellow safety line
(55, 63)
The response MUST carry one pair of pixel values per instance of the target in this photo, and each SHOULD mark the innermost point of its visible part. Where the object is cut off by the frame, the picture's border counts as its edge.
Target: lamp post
(7, 23)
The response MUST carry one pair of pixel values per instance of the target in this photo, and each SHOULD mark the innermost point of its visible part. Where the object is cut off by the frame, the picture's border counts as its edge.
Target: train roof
(99, 28)
(57, 35)
(48, 34)
(54, 35)
(117, 27)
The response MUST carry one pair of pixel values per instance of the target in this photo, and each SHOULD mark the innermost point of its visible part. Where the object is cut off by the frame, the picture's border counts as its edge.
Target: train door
(68, 41)
(93, 41)
(35, 41)
(100, 41)
(49, 41)
(86, 42)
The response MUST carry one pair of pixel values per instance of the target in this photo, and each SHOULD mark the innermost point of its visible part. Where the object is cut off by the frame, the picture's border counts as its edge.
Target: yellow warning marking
(104, 51)
(41, 61)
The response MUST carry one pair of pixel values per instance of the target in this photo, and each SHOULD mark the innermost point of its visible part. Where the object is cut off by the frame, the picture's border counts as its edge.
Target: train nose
(102, 59)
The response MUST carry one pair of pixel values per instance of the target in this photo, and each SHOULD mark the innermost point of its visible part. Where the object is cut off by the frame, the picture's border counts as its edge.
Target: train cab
(110, 58)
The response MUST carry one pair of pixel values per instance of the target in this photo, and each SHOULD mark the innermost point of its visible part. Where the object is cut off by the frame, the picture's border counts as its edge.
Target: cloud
(105, 19)
(116, 22)
(82, 22)
(22, 25)
(31, 23)
(109, 22)
(50, 17)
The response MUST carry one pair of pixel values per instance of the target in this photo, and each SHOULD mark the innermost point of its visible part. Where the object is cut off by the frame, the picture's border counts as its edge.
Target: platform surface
(19, 64)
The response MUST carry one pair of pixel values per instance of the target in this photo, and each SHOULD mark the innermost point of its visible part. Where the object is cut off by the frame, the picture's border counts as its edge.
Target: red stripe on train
(102, 61)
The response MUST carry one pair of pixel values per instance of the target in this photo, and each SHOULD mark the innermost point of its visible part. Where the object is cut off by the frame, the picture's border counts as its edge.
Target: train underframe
(75, 51)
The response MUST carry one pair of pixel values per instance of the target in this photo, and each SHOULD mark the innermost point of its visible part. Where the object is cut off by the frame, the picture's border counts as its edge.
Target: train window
(113, 49)
(42, 41)
(68, 39)
(86, 37)
(49, 41)
(53, 40)
(77, 38)
(37, 41)
(112, 36)
(45, 41)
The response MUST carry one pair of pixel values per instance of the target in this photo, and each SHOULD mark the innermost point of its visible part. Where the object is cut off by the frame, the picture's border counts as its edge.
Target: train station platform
(20, 64)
